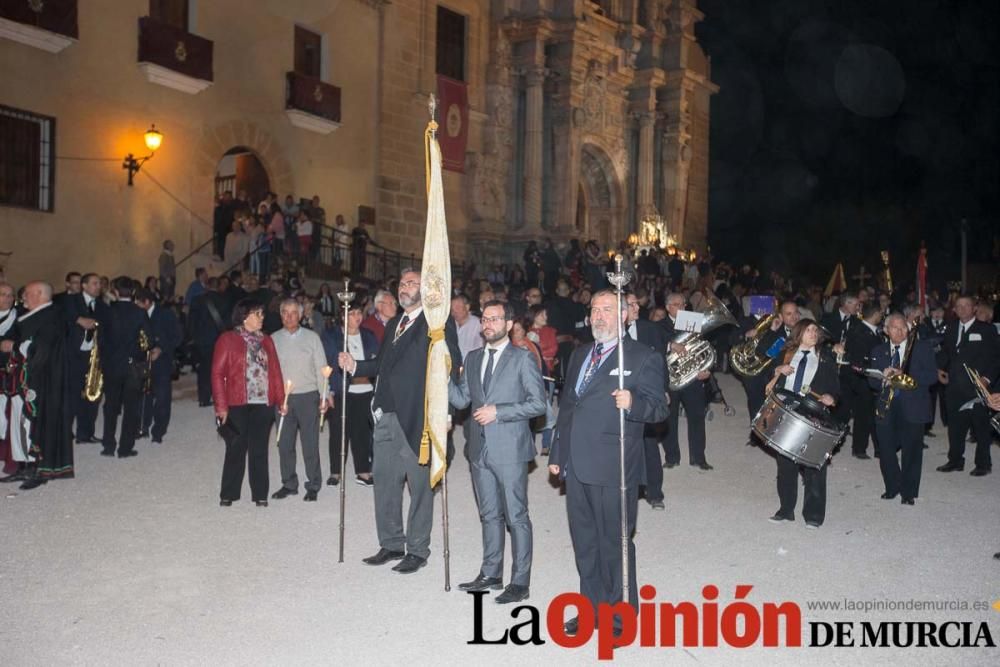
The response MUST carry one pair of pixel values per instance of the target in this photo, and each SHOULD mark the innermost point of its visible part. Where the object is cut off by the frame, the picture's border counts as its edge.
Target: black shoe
(997, 555)
(513, 593)
(980, 471)
(310, 496)
(703, 466)
(261, 503)
(225, 503)
(105, 452)
(332, 480)
(364, 481)
(18, 476)
(888, 496)
(907, 501)
(860, 455)
(32, 483)
(283, 492)
(481, 583)
(657, 505)
(382, 557)
(951, 467)
(410, 564)
(669, 465)
(125, 455)
(779, 518)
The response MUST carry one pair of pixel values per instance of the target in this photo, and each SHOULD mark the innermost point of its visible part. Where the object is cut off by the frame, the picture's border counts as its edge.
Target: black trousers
(756, 389)
(959, 423)
(156, 409)
(122, 392)
(895, 434)
(652, 437)
(692, 397)
(359, 432)
(937, 399)
(83, 412)
(814, 495)
(595, 527)
(205, 372)
(254, 425)
(862, 400)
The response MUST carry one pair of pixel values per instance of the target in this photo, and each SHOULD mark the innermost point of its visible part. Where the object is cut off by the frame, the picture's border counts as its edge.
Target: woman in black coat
(803, 365)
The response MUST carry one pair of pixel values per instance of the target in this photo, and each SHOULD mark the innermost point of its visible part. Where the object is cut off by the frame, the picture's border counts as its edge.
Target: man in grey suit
(504, 385)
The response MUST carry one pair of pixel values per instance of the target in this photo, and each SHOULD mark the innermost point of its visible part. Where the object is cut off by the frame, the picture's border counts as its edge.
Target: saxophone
(744, 357)
(94, 384)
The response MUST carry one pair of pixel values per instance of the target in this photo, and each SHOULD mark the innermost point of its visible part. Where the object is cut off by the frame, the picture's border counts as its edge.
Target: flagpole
(619, 279)
(345, 299)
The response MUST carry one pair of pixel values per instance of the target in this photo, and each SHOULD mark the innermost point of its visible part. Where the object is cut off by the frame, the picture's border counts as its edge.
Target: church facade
(580, 118)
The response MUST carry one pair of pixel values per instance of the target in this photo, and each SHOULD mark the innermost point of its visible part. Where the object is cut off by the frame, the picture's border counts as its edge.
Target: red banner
(453, 122)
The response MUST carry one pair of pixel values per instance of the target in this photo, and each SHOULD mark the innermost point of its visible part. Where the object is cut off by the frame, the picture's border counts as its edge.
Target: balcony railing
(312, 96)
(58, 16)
(177, 50)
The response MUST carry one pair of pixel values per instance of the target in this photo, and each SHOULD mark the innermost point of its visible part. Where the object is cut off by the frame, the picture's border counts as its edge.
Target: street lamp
(153, 139)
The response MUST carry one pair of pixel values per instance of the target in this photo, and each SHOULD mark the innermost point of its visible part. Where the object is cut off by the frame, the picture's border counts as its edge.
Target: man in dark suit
(208, 318)
(967, 342)
(901, 428)
(840, 321)
(165, 339)
(692, 397)
(502, 386)
(653, 336)
(934, 329)
(73, 286)
(398, 410)
(86, 317)
(585, 450)
(124, 364)
(862, 338)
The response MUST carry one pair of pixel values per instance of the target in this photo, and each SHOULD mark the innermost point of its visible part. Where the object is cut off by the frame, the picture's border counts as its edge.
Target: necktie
(595, 361)
(488, 376)
(895, 357)
(800, 372)
(402, 327)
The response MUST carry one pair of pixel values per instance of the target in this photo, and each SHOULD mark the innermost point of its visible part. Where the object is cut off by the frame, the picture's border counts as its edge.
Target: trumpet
(984, 394)
(93, 386)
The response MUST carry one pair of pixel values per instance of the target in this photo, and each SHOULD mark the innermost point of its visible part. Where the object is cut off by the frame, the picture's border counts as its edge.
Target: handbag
(226, 430)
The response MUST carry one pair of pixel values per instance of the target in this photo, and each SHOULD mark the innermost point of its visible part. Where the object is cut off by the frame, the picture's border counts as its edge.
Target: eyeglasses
(493, 320)
(410, 283)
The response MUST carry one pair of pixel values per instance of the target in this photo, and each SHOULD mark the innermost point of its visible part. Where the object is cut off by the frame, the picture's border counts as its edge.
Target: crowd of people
(532, 350)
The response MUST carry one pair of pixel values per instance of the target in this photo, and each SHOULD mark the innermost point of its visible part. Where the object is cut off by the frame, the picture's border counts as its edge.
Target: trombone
(984, 394)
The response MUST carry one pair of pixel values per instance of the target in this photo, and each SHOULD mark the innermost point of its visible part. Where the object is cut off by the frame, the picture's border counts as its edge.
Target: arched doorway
(240, 170)
(599, 205)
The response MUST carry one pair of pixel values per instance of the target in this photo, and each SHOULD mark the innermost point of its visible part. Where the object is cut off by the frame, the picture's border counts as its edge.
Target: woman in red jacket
(247, 386)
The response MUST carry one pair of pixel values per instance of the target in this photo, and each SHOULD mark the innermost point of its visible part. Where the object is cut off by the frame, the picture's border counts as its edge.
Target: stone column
(644, 183)
(535, 82)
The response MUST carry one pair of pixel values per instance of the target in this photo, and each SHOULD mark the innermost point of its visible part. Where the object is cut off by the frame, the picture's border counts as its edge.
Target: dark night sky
(848, 126)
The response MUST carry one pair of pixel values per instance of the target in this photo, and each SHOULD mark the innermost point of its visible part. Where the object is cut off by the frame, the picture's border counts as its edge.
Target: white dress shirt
(499, 347)
(812, 364)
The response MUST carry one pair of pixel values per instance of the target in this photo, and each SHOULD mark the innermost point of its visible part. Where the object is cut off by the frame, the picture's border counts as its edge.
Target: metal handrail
(194, 252)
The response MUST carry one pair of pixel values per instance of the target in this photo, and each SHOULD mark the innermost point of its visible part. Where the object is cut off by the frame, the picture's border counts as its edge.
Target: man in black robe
(41, 342)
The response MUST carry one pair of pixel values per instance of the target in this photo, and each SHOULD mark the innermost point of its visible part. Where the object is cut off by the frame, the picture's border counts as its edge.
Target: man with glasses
(398, 411)
(586, 449)
(502, 385)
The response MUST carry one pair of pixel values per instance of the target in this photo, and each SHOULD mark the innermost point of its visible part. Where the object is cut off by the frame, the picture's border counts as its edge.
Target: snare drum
(797, 428)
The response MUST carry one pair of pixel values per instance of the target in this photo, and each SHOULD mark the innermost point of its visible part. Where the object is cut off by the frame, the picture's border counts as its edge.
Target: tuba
(744, 357)
(94, 384)
(699, 354)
